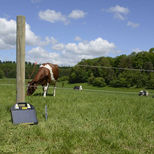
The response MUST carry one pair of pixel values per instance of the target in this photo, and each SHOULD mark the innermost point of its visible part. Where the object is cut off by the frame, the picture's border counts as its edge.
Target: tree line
(135, 73)
(8, 70)
(105, 74)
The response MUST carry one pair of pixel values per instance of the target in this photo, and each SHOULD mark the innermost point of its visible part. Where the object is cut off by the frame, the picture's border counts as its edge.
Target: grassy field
(87, 122)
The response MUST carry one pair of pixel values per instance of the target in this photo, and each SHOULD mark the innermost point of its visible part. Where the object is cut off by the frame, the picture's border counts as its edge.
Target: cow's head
(31, 88)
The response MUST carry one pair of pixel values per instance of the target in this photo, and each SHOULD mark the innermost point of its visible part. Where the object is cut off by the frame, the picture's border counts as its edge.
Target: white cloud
(8, 35)
(31, 38)
(132, 24)
(58, 46)
(77, 38)
(119, 12)
(76, 14)
(74, 52)
(71, 53)
(53, 16)
(97, 47)
(40, 55)
(53, 40)
(137, 50)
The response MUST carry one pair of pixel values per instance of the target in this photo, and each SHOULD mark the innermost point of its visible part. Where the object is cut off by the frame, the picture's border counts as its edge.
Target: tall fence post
(20, 59)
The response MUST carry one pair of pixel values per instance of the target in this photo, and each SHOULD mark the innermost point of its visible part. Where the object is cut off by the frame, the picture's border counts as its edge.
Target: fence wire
(117, 68)
(84, 89)
(88, 90)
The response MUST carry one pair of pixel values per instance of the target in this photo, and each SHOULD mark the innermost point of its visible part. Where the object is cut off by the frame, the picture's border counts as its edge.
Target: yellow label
(24, 108)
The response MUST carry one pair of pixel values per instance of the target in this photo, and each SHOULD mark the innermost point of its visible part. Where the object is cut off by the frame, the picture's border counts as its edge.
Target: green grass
(87, 122)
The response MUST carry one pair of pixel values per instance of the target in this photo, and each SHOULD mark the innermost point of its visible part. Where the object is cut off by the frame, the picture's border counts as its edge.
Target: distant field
(87, 122)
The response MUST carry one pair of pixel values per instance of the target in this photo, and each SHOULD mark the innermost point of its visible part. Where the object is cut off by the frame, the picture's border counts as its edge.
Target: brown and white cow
(47, 73)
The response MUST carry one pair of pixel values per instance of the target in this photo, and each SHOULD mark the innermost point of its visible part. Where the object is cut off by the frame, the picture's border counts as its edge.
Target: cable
(88, 90)
(128, 69)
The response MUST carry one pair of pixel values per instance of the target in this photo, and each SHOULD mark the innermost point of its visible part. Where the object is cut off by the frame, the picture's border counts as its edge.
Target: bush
(72, 78)
(1, 74)
(91, 79)
(63, 78)
(119, 83)
(150, 84)
(99, 81)
(78, 75)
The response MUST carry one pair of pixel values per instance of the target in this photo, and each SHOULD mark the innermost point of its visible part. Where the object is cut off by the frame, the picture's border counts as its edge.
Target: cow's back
(55, 69)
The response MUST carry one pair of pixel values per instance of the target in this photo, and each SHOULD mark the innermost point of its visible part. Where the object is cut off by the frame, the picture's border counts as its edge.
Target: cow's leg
(54, 90)
(45, 89)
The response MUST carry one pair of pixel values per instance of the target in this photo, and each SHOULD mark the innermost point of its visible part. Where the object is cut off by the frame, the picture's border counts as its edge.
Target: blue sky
(66, 31)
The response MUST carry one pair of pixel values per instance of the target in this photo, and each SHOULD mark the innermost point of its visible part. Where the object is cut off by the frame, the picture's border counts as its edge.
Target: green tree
(78, 75)
(150, 84)
(121, 82)
(91, 78)
(99, 81)
(148, 65)
(1, 74)
(151, 50)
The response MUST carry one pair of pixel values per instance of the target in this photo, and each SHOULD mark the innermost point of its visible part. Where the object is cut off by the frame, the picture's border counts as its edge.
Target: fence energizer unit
(23, 113)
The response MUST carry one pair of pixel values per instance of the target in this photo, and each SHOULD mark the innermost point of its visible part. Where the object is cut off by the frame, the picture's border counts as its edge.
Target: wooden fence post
(20, 59)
